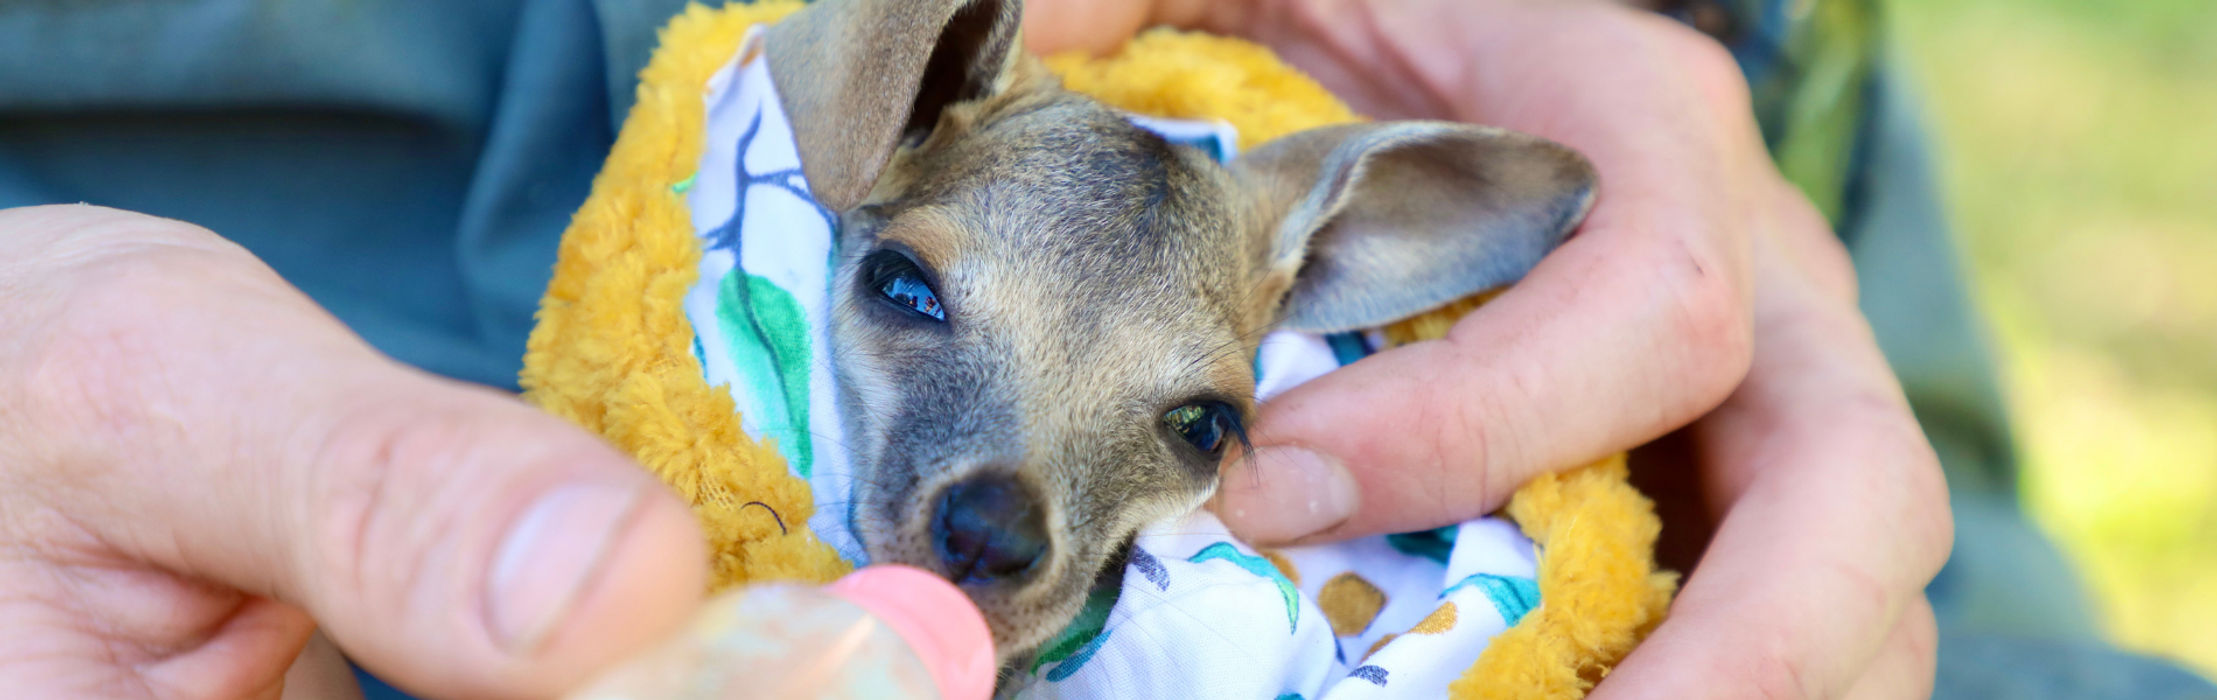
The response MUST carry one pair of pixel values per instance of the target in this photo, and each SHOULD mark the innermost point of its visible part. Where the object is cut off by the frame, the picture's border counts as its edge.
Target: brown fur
(1094, 276)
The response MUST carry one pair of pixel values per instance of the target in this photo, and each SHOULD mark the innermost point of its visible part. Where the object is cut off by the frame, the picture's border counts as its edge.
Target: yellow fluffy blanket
(613, 350)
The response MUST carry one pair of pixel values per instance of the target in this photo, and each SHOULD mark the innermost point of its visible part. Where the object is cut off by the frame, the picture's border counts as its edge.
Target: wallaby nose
(989, 528)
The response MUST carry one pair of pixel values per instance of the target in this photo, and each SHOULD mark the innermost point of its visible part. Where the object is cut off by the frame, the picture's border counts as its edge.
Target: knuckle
(351, 472)
(411, 470)
(1905, 476)
(1919, 487)
(372, 495)
(1778, 672)
(1708, 63)
(1674, 51)
(1864, 587)
(1713, 327)
(1483, 456)
(1485, 446)
(1928, 518)
(1920, 632)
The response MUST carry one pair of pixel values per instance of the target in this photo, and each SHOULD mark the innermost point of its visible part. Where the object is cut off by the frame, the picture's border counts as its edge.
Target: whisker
(773, 515)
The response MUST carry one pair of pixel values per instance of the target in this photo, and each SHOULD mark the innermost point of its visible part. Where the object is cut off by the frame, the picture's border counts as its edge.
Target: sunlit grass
(2079, 149)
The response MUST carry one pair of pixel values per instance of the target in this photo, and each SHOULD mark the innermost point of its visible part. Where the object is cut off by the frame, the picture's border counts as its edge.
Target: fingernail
(1282, 494)
(936, 619)
(550, 555)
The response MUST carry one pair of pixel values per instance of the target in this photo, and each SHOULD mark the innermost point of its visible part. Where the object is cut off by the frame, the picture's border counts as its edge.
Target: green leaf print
(1083, 631)
(769, 337)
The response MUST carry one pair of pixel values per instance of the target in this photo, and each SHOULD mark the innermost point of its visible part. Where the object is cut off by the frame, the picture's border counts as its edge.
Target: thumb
(462, 544)
(1375, 446)
(451, 539)
(1584, 358)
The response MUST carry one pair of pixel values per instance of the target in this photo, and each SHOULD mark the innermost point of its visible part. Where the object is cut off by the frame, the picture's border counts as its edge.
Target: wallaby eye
(1203, 425)
(898, 279)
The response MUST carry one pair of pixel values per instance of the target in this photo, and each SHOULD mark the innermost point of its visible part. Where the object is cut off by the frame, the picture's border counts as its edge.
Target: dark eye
(897, 278)
(1203, 425)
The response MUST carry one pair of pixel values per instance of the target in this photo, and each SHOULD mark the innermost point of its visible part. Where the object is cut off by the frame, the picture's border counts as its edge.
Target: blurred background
(2077, 141)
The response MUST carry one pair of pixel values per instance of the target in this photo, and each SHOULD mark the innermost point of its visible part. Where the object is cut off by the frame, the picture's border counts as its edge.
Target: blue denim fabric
(2014, 619)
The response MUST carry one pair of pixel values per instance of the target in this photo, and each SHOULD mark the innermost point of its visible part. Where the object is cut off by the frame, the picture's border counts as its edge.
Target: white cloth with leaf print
(1200, 614)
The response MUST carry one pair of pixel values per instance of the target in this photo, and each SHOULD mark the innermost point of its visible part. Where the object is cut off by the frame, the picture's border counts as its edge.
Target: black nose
(989, 528)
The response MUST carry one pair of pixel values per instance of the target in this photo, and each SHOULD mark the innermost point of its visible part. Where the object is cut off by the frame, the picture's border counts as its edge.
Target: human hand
(1697, 259)
(198, 466)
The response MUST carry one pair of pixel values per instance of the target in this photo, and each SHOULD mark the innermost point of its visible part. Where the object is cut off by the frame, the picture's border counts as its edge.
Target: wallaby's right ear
(859, 76)
(1379, 222)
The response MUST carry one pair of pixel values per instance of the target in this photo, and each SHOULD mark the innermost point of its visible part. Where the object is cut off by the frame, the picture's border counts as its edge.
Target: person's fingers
(1836, 513)
(1099, 26)
(86, 626)
(82, 622)
(1800, 588)
(262, 633)
(1635, 326)
(204, 417)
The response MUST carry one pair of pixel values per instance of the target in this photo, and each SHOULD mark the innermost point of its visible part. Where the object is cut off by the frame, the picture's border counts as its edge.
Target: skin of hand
(1703, 293)
(199, 466)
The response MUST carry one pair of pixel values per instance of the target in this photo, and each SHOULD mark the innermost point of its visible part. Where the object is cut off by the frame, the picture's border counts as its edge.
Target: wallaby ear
(858, 76)
(1384, 221)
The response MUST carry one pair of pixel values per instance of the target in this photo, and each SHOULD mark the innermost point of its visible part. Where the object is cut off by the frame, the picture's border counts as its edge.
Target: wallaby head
(1045, 318)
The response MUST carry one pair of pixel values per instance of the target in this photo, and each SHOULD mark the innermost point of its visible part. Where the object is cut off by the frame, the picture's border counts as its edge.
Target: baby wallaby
(1045, 318)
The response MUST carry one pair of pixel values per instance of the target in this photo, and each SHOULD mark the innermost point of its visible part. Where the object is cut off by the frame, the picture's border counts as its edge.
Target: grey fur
(1406, 216)
(1095, 277)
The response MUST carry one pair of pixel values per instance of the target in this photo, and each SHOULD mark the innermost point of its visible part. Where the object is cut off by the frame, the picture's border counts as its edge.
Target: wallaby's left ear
(1385, 221)
(858, 76)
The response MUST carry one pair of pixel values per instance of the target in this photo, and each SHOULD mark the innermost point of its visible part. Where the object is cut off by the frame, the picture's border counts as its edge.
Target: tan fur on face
(1094, 278)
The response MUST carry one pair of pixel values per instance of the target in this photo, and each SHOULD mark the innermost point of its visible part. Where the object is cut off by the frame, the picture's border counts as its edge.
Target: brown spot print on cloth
(1440, 620)
(1350, 603)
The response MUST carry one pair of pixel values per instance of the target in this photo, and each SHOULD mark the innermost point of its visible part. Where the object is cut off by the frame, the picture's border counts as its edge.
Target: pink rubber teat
(936, 620)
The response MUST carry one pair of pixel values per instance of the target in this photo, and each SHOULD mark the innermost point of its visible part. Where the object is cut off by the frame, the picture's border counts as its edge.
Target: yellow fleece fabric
(613, 350)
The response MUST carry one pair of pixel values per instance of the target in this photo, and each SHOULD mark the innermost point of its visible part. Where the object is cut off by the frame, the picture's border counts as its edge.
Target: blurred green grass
(2078, 145)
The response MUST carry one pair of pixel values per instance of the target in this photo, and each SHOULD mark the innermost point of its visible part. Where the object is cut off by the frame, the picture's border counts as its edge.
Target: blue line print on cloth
(1151, 567)
(727, 236)
(1375, 674)
(1078, 658)
(1512, 596)
(730, 236)
(1259, 567)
